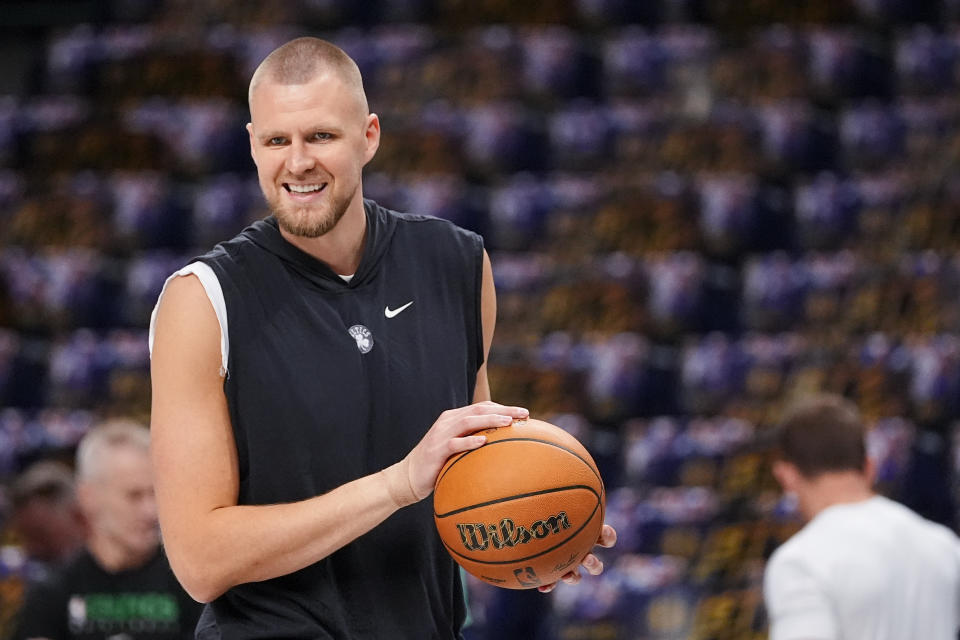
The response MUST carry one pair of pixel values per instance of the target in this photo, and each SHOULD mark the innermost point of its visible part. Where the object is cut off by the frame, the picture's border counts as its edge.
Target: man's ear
(786, 474)
(372, 137)
(86, 499)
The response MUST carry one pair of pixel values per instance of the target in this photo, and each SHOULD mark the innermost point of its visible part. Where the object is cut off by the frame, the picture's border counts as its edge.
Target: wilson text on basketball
(506, 533)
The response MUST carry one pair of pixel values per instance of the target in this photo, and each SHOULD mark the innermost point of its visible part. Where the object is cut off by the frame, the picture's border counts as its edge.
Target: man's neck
(342, 247)
(114, 558)
(833, 488)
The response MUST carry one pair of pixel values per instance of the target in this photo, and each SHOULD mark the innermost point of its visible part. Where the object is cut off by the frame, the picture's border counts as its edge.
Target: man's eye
(276, 141)
(322, 135)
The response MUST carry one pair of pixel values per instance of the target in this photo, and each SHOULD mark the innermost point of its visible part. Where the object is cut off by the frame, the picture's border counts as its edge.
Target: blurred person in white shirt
(863, 567)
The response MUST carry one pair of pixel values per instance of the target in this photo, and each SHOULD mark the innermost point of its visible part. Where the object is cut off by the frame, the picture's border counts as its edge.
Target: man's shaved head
(300, 61)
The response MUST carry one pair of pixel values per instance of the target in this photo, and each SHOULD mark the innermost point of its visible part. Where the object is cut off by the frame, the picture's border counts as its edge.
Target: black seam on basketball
(536, 555)
(517, 496)
(457, 456)
(552, 444)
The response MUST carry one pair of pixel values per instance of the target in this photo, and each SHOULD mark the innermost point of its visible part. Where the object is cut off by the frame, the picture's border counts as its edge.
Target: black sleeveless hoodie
(329, 381)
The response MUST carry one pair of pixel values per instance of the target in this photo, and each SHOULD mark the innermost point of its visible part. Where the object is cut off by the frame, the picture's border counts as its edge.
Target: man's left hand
(593, 565)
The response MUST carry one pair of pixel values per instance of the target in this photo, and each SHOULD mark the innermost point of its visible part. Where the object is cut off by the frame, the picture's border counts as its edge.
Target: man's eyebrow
(271, 134)
(306, 131)
(322, 127)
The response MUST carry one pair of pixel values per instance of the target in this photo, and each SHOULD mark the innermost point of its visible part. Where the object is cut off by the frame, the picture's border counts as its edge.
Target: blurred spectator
(773, 292)
(9, 350)
(207, 134)
(863, 566)
(676, 293)
(146, 274)
(122, 568)
(556, 66)
(222, 207)
(618, 378)
(45, 516)
(928, 129)
(925, 61)
(444, 196)
(71, 58)
(826, 211)
(846, 63)
(8, 131)
(78, 368)
(728, 213)
(518, 212)
(503, 137)
(795, 136)
(27, 436)
(635, 63)
(712, 370)
(580, 136)
(146, 215)
(48, 530)
(871, 135)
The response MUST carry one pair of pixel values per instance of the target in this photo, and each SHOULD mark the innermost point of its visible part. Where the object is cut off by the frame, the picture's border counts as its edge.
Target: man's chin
(145, 545)
(306, 226)
(304, 231)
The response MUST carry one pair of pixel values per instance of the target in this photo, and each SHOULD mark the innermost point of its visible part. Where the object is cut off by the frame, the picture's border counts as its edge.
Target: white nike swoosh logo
(387, 311)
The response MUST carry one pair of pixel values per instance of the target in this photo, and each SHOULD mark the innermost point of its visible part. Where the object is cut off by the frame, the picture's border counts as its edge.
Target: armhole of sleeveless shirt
(211, 285)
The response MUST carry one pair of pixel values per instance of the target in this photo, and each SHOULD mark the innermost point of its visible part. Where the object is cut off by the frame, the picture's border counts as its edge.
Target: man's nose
(299, 160)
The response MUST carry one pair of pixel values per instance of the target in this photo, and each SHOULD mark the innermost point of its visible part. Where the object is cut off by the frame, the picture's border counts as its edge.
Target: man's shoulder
(55, 584)
(792, 550)
(895, 516)
(78, 565)
(872, 526)
(236, 246)
(805, 547)
(438, 237)
(420, 223)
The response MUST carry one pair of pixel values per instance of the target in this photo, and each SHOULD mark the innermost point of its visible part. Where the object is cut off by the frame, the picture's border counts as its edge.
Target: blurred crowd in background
(695, 210)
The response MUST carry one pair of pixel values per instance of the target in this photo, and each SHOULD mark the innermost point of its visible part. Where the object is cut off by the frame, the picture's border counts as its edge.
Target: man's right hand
(412, 479)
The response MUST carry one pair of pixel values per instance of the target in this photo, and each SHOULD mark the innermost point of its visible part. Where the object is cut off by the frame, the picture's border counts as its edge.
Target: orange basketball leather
(522, 510)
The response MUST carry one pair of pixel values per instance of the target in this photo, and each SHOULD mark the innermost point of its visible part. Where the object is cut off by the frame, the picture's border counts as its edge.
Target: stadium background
(696, 209)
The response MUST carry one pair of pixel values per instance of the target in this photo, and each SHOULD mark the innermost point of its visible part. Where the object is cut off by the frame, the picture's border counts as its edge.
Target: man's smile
(304, 188)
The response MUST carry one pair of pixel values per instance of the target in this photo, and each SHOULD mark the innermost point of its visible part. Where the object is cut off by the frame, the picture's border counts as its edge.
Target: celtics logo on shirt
(123, 615)
(363, 337)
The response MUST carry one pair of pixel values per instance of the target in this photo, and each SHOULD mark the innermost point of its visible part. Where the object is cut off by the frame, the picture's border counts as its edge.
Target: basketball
(523, 509)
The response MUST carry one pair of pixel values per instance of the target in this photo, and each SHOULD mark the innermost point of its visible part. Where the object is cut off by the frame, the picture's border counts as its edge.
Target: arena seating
(695, 211)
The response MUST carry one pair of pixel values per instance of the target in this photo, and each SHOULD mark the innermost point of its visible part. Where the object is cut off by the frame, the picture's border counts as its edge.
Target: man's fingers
(504, 416)
(486, 407)
(466, 443)
(608, 536)
(592, 564)
(486, 421)
(572, 577)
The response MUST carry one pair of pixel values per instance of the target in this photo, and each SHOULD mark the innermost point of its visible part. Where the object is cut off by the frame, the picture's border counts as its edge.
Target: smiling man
(305, 145)
(310, 378)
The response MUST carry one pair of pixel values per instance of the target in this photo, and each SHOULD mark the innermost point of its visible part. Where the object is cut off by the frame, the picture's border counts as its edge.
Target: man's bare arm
(212, 542)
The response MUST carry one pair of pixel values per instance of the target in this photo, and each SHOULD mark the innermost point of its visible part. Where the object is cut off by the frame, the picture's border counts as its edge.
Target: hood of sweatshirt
(380, 227)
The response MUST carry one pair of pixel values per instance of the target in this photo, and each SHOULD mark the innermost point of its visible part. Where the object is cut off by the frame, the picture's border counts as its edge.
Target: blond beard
(303, 226)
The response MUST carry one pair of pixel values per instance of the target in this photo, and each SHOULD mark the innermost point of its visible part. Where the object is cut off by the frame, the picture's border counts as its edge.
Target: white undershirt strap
(215, 293)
